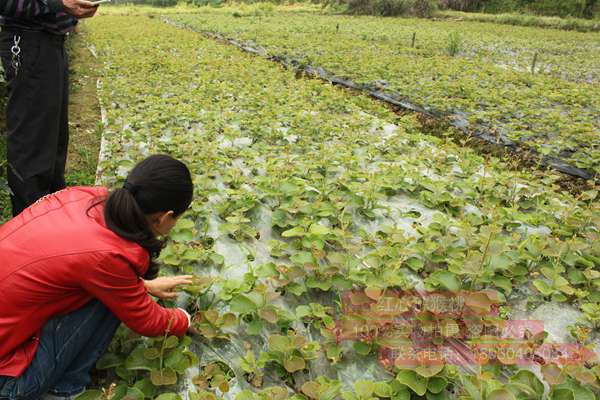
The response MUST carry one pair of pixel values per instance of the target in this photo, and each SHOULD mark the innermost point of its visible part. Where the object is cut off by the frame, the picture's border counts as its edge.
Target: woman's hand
(164, 286)
(79, 8)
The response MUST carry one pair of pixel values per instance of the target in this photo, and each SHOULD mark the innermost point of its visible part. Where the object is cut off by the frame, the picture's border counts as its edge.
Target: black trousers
(36, 115)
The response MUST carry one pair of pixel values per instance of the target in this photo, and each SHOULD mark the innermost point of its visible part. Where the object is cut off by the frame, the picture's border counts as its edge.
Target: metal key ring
(16, 50)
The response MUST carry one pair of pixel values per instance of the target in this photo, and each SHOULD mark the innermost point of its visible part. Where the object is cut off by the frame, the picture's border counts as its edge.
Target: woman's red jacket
(54, 258)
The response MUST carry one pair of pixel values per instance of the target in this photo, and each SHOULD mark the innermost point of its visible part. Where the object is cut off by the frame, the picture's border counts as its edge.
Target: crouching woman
(74, 266)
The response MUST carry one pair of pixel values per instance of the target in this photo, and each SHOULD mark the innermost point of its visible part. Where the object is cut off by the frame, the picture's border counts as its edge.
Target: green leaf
(185, 235)
(499, 262)
(109, 360)
(402, 393)
(169, 396)
(364, 388)
(296, 289)
(303, 258)
(90, 395)
(268, 270)
(119, 392)
(279, 343)
(247, 395)
(254, 327)
(436, 396)
(579, 392)
(543, 287)
(177, 361)
(217, 259)
(416, 383)
(134, 393)
(151, 353)
(471, 386)
(146, 386)
(446, 280)
(137, 361)
(319, 230)
(347, 395)
(562, 394)
(416, 264)
(242, 304)
(297, 231)
(311, 389)
(436, 384)
(288, 188)
(503, 283)
(293, 364)
(428, 371)
(589, 195)
(171, 342)
(303, 311)
(529, 380)
(314, 282)
(382, 389)
(362, 348)
(227, 320)
(268, 313)
(125, 374)
(501, 394)
(163, 377)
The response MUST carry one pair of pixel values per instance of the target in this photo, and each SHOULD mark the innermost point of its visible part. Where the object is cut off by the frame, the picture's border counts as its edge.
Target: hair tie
(131, 188)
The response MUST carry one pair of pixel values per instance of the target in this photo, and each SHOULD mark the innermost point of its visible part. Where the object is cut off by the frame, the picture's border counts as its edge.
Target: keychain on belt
(16, 54)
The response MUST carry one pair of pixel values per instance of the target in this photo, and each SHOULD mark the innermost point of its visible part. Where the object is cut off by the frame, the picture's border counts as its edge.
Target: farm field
(480, 72)
(304, 192)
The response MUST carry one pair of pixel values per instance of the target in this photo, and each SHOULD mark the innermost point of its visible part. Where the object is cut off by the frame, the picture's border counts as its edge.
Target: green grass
(569, 24)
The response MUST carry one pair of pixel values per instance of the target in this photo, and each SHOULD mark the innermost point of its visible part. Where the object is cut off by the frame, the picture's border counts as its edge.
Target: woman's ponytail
(124, 217)
(157, 184)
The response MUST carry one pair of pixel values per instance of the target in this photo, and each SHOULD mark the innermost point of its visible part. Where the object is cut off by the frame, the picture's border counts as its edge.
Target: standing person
(77, 263)
(36, 70)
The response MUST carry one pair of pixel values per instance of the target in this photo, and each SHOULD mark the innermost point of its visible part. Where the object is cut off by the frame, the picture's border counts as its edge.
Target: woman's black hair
(158, 183)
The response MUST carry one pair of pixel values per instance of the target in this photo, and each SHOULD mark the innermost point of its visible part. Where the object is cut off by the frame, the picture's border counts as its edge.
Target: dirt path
(84, 113)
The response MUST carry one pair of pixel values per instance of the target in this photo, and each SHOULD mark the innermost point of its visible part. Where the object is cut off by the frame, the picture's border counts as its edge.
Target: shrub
(461, 5)
(561, 8)
(424, 8)
(201, 3)
(420, 8)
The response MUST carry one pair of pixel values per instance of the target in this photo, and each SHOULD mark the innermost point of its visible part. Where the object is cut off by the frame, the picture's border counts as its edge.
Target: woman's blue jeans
(69, 347)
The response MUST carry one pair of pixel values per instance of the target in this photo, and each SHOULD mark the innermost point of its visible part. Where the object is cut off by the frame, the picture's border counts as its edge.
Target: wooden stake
(535, 57)
(337, 28)
(413, 39)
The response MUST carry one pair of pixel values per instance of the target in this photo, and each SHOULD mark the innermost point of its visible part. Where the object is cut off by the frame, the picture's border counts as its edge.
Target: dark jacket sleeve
(29, 8)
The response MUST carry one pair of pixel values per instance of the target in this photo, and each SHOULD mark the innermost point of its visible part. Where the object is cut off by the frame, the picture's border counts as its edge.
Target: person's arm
(115, 283)
(34, 8)
(29, 8)
(164, 288)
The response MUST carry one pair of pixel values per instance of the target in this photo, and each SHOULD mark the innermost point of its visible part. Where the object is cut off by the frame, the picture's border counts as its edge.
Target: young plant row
(533, 86)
